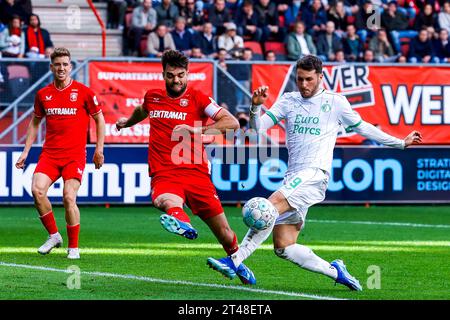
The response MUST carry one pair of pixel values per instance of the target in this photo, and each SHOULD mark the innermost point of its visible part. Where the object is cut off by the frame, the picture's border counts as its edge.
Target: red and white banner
(121, 86)
(396, 99)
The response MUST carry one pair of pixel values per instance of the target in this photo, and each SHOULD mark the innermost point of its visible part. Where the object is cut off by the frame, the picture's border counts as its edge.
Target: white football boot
(73, 253)
(53, 241)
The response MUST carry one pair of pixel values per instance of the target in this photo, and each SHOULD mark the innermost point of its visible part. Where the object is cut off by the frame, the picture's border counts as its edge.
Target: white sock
(307, 259)
(252, 240)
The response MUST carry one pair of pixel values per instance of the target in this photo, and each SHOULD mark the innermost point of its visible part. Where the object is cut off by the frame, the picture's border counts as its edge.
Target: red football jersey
(168, 151)
(67, 118)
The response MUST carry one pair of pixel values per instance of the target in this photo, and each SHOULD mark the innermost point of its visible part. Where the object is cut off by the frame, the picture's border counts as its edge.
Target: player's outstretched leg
(176, 226)
(227, 268)
(344, 277)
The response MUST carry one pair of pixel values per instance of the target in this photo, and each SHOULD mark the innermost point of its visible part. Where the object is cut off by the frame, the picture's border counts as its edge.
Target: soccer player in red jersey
(66, 105)
(179, 170)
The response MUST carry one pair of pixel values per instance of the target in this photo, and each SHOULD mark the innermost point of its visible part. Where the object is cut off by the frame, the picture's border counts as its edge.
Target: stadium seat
(143, 47)
(404, 46)
(277, 47)
(128, 18)
(254, 45)
(18, 80)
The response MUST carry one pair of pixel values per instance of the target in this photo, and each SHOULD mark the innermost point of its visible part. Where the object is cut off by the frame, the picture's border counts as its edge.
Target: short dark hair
(310, 62)
(175, 59)
(59, 52)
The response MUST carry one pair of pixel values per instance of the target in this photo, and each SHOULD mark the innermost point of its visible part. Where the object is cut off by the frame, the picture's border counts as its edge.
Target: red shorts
(68, 168)
(193, 186)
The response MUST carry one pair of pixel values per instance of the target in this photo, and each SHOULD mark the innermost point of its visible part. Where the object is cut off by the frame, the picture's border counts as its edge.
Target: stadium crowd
(335, 30)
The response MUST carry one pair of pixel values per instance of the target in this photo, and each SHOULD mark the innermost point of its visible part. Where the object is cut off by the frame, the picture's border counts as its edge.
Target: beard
(174, 93)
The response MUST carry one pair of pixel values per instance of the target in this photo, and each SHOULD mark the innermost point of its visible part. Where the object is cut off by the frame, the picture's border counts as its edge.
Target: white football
(259, 213)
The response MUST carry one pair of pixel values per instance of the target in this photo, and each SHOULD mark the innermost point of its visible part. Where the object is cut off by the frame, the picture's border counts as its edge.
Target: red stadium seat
(128, 18)
(19, 79)
(143, 47)
(404, 46)
(254, 45)
(277, 47)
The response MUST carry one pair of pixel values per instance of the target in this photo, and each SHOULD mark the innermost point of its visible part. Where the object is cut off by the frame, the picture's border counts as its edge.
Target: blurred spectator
(142, 23)
(247, 22)
(293, 13)
(351, 7)
(352, 44)
(421, 49)
(116, 10)
(426, 18)
(396, 23)
(186, 9)
(231, 42)
(368, 56)
(219, 16)
(197, 53)
(26, 6)
(37, 39)
(270, 56)
(199, 18)
(299, 43)
(338, 16)
(222, 55)
(328, 43)
(442, 47)
(242, 73)
(365, 22)
(340, 56)
(184, 39)
(167, 13)
(315, 18)
(206, 41)
(12, 39)
(382, 48)
(10, 8)
(269, 21)
(444, 16)
(159, 41)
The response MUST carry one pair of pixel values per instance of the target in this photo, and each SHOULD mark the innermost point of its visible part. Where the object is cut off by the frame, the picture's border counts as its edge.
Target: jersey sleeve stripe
(350, 128)
(215, 114)
(274, 119)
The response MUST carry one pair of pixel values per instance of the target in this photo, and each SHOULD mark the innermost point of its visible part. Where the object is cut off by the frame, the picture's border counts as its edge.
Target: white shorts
(302, 190)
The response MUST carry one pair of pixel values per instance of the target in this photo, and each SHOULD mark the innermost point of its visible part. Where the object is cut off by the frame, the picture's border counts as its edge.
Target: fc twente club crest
(73, 96)
(184, 102)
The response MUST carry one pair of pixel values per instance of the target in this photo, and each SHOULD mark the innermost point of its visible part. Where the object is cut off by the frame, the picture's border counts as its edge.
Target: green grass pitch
(400, 252)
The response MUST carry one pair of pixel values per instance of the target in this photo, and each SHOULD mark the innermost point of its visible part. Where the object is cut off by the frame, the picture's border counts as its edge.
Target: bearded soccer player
(313, 118)
(176, 178)
(66, 105)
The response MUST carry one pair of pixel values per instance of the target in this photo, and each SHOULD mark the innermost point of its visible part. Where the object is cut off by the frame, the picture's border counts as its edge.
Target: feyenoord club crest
(184, 102)
(73, 96)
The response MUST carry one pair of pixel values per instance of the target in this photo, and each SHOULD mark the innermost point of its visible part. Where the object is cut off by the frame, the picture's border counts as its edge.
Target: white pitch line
(395, 224)
(175, 282)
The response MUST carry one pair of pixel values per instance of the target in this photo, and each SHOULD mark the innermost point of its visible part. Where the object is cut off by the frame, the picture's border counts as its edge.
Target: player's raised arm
(99, 158)
(270, 118)
(31, 136)
(137, 116)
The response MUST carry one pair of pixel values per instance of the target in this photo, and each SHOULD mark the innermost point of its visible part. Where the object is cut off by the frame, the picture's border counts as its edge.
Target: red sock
(48, 220)
(72, 233)
(233, 247)
(178, 213)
